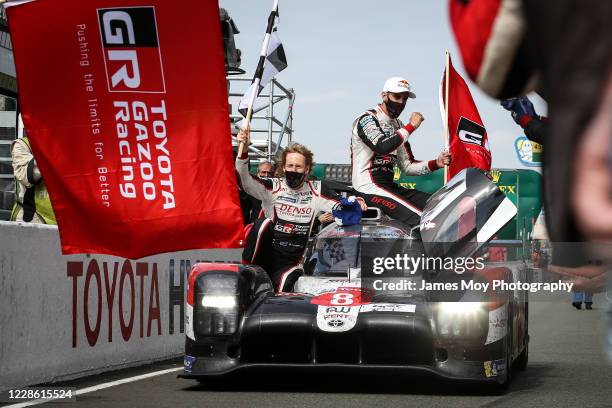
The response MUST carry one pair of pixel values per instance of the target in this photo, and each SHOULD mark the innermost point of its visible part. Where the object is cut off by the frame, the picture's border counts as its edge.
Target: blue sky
(341, 51)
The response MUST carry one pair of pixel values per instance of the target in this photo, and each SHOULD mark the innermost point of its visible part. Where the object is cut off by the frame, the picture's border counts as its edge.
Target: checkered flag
(272, 60)
(336, 252)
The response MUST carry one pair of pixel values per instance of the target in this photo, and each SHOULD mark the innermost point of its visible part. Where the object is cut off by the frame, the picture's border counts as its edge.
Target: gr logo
(132, 56)
(471, 132)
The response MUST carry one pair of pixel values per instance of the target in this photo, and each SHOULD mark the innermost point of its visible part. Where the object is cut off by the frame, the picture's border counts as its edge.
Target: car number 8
(342, 299)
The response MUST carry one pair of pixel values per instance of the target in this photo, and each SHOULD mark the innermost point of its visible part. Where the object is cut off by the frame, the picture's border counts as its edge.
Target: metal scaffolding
(8, 118)
(276, 121)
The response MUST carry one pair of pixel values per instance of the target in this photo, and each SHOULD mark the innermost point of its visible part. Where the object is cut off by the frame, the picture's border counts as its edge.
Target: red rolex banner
(468, 142)
(125, 105)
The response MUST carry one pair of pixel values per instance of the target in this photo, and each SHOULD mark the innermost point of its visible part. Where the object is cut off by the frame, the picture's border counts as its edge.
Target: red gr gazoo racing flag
(468, 142)
(125, 105)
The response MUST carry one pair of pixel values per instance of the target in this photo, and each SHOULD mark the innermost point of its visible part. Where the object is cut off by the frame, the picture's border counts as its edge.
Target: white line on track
(98, 387)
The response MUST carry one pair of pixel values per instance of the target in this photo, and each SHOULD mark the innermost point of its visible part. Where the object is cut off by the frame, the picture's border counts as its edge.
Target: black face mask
(294, 179)
(394, 108)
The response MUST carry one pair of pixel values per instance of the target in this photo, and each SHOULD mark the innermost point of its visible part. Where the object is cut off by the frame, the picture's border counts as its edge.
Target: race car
(351, 311)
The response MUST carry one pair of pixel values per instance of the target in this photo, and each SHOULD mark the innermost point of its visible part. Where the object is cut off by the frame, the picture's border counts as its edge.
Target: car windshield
(332, 256)
(463, 215)
(404, 254)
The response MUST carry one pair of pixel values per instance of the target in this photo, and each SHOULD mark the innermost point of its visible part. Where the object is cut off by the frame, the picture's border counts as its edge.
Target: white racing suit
(377, 145)
(277, 242)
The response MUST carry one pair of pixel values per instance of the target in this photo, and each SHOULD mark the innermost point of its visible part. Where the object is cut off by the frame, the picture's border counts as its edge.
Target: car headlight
(219, 302)
(217, 297)
(461, 319)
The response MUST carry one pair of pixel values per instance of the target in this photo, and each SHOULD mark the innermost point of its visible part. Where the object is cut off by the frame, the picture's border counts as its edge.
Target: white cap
(398, 85)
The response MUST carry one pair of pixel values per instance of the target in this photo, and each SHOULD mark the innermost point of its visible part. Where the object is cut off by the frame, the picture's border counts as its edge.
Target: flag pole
(247, 119)
(446, 144)
(258, 74)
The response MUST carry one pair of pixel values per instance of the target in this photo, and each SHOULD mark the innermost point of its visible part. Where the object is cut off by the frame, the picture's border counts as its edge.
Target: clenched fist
(416, 119)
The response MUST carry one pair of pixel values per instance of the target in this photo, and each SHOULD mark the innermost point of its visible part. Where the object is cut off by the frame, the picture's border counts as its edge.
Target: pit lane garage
(335, 319)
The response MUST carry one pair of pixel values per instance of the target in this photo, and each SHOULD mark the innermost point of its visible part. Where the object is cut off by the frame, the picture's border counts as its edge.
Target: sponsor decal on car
(338, 310)
(319, 286)
(335, 323)
(382, 201)
(497, 324)
(188, 363)
(189, 321)
(343, 296)
(335, 319)
(387, 307)
(494, 368)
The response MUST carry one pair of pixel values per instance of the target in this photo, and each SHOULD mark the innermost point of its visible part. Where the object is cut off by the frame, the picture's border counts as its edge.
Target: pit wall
(63, 317)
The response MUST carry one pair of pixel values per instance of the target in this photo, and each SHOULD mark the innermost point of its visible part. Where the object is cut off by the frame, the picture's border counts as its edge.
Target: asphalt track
(568, 368)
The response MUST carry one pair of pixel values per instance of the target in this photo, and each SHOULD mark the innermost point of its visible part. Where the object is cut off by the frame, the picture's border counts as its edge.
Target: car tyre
(523, 358)
(502, 386)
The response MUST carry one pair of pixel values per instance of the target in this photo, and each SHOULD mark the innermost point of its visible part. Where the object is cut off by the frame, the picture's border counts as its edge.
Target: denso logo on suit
(293, 210)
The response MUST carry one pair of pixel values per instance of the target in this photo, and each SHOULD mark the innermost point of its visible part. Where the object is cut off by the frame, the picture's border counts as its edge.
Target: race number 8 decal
(342, 299)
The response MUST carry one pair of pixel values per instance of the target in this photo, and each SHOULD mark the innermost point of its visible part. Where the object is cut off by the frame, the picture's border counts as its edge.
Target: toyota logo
(335, 323)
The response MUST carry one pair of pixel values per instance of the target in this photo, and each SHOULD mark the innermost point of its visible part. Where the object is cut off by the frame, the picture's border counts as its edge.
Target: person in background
(497, 253)
(246, 201)
(265, 169)
(579, 297)
(525, 116)
(32, 203)
(572, 264)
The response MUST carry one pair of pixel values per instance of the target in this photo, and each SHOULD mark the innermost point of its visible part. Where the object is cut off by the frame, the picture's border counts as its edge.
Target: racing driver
(380, 142)
(290, 204)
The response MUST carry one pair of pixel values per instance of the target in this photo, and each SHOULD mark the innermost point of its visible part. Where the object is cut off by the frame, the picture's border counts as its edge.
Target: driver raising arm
(290, 204)
(379, 142)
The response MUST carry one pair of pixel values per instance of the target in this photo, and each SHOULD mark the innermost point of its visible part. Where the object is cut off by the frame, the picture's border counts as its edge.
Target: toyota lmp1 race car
(344, 314)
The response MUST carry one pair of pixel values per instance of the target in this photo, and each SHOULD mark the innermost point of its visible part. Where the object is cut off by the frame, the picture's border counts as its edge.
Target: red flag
(125, 105)
(468, 143)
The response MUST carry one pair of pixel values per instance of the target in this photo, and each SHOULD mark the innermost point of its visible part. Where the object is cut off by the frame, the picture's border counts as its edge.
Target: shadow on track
(273, 381)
